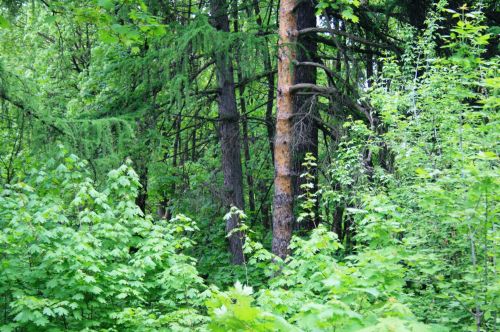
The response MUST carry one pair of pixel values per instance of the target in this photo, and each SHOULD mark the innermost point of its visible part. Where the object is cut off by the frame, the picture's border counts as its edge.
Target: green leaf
(487, 155)
(4, 23)
(51, 19)
(348, 14)
(60, 311)
(106, 4)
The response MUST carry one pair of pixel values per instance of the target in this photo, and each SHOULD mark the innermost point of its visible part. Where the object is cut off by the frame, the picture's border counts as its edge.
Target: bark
(337, 221)
(417, 12)
(229, 133)
(164, 211)
(250, 182)
(142, 156)
(142, 196)
(193, 141)
(264, 205)
(304, 125)
(369, 70)
(270, 121)
(283, 193)
(185, 153)
(246, 143)
(270, 84)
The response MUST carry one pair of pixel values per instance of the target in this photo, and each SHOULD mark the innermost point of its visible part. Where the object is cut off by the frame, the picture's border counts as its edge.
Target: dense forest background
(256, 165)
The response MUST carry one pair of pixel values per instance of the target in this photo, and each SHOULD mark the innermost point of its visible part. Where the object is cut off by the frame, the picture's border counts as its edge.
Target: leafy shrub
(76, 258)
(314, 291)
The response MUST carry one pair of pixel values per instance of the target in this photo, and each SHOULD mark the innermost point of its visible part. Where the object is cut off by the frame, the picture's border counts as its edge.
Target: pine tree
(229, 133)
(283, 191)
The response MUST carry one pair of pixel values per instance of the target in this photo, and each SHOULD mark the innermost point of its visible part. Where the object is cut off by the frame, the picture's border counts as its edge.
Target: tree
(283, 190)
(229, 133)
(305, 129)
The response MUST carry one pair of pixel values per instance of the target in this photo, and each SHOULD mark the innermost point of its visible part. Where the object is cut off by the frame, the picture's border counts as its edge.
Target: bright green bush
(444, 132)
(76, 258)
(418, 193)
(314, 291)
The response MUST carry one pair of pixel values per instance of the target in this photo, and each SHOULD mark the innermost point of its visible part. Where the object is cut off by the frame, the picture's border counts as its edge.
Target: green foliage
(308, 197)
(408, 185)
(83, 261)
(443, 197)
(345, 7)
(74, 257)
(233, 311)
(314, 291)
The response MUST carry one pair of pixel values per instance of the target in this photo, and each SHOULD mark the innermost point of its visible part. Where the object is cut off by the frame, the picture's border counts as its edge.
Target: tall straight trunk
(283, 192)
(264, 205)
(142, 196)
(246, 143)
(270, 84)
(305, 128)
(193, 141)
(142, 156)
(164, 211)
(185, 152)
(229, 133)
(246, 148)
(270, 123)
(369, 69)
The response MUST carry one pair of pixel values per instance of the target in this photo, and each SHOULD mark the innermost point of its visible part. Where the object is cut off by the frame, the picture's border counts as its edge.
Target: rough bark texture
(305, 129)
(283, 192)
(369, 69)
(246, 148)
(229, 133)
(270, 84)
(142, 196)
(164, 211)
(246, 142)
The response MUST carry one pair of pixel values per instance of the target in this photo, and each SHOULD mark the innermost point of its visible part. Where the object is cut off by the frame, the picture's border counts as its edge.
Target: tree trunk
(246, 143)
(270, 84)
(264, 204)
(369, 69)
(270, 122)
(193, 141)
(283, 192)
(164, 210)
(337, 221)
(142, 196)
(246, 147)
(305, 128)
(229, 133)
